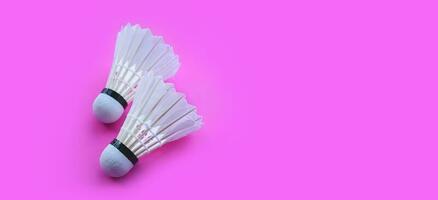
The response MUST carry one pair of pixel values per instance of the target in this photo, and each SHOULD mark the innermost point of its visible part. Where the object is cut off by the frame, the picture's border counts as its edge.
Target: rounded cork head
(114, 163)
(107, 109)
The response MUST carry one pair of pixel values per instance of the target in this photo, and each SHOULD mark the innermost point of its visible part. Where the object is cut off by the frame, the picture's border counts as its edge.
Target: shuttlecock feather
(158, 115)
(137, 51)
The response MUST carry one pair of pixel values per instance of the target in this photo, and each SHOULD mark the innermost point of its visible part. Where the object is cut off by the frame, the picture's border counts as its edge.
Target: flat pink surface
(300, 99)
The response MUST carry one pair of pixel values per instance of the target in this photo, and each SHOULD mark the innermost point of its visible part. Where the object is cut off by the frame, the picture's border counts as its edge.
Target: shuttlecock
(158, 115)
(137, 51)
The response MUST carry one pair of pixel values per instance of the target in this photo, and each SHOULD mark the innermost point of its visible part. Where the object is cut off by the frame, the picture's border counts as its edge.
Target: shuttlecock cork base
(117, 159)
(109, 106)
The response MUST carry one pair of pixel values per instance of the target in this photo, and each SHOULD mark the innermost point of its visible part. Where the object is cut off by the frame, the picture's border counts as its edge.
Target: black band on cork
(115, 96)
(125, 151)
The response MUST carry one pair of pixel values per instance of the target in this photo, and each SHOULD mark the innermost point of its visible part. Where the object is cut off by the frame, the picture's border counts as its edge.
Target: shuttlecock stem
(115, 96)
(125, 151)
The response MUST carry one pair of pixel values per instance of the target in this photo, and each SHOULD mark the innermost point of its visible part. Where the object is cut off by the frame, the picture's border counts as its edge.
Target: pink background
(301, 99)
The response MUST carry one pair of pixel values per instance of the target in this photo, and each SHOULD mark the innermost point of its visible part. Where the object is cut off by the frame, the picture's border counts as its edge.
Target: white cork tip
(107, 109)
(114, 163)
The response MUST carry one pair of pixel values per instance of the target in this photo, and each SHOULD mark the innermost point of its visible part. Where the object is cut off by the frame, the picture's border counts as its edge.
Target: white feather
(138, 51)
(158, 115)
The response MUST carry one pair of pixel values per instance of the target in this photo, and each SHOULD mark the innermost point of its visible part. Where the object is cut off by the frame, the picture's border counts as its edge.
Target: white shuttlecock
(158, 115)
(137, 51)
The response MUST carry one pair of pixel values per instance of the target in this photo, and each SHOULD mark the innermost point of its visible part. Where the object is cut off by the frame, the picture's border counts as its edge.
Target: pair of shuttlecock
(158, 115)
